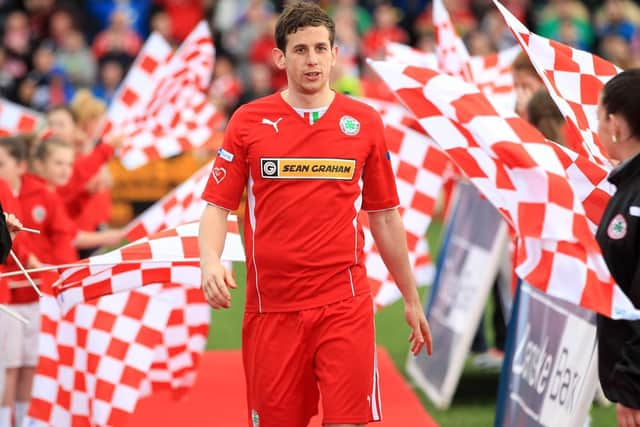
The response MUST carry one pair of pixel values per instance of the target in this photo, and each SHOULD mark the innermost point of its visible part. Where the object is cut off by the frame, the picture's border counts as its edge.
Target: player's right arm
(216, 280)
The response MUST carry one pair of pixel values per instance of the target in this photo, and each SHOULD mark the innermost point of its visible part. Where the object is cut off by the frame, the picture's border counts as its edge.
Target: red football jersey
(305, 186)
(43, 209)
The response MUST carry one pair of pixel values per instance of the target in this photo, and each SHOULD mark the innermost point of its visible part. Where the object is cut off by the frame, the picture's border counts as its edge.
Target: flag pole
(26, 274)
(13, 314)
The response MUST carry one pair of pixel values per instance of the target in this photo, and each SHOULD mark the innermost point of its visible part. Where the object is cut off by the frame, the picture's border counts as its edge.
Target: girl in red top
(44, 210)
(19, 341)
(87, 179)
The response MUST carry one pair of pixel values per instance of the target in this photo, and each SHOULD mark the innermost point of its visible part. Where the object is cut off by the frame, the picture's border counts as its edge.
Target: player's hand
(216, 281)
(420, 333)
(627, 417)
(13, 224)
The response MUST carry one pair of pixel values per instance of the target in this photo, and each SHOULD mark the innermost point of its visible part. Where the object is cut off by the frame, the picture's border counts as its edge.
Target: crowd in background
(51, 48)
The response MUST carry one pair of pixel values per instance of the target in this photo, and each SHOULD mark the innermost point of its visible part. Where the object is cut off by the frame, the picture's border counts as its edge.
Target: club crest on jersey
(38, 213)
(218, 174)
(617, 228)
(349, 125)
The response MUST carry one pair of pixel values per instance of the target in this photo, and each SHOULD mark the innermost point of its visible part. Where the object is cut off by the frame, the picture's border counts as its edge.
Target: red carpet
(218, 398)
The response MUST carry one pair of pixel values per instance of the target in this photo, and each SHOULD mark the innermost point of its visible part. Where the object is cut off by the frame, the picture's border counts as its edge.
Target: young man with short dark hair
(310, 160)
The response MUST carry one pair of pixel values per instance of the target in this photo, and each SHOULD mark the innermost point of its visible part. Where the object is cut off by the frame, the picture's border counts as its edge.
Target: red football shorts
(292, 358)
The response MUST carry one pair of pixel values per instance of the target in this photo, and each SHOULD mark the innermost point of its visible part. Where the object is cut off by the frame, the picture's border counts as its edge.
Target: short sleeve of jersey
(230, 169)
(379, 184)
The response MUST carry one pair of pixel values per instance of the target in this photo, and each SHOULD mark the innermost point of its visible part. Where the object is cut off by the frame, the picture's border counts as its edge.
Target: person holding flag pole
(311, 159)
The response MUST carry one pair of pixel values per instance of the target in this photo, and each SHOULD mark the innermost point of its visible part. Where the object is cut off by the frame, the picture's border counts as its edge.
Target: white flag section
(552, 364)
(474, 242)
(16, 118)
(175, 115)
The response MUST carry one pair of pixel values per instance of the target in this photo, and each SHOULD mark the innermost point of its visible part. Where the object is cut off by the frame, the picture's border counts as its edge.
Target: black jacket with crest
(619, 238)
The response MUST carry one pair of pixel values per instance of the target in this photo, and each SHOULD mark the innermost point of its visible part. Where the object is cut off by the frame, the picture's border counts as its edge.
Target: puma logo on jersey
(266, 121)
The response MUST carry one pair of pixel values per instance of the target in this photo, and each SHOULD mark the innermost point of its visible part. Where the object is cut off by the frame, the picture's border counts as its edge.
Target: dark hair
(299, 15)
(15, 146)
(621, 95)
(545, 115)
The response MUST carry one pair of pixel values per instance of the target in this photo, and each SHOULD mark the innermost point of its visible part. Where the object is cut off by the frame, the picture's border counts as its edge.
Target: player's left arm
(390, 237)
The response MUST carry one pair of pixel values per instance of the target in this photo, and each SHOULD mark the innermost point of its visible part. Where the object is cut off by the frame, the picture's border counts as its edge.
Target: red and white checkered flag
(15, 118)
(492, 75)
(93, 360)
(184, 339)
(574, 79)
(183, 204)
(137, 87)
(524, 177)
(453, 57)
(176, 115)
(420, 169)
(169, 256)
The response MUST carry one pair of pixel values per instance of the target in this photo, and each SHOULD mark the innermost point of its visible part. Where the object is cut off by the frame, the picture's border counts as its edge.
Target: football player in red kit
(310, 160)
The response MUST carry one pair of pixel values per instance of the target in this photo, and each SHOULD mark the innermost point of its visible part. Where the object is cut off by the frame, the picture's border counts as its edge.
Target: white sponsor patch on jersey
(225, 155)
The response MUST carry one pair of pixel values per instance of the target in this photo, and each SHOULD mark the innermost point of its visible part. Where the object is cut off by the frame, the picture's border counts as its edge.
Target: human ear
(279, 58)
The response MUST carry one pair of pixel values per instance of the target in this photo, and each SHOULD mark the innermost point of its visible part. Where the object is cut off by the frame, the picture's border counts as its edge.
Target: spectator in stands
(619, 238)
(52, 86)
(360, 15)
(226, 87)
(183, 14)
(348, 41)
(74, 57)
(612, 20)
(615, 49)
(261, 52)
(17, 43)
(259, 83)
(385, 29)
(567, 21)
(40, 12)
(478, 43)
(60, 23)
(136, 13)
(495, 28)
(111, 71)
(8, 83)
(117, 37)
(161, 24)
